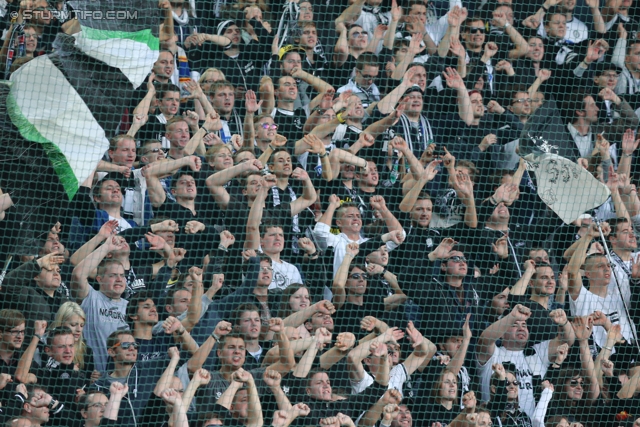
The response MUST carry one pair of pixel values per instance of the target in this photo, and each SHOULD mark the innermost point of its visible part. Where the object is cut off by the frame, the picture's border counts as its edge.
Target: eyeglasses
(476, 30)
(154, 150)
(523, 100)
(98, 405)
(358, 276)
(268, 126)
(266, 269)
(207, 81)
(457, 259)
(575, 383)
(610, 75)
(127, 345)
(513, 383)
(357, 34)
(15, 333)
(367, 76)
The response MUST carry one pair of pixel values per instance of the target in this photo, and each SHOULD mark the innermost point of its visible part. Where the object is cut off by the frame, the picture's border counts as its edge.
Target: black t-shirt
(179, 213)
(153, 129)
(290, 125)
(348, 318)
(61, 381)
(155, 348)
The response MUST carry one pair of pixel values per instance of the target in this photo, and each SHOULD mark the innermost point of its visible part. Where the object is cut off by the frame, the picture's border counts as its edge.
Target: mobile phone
(439, 151)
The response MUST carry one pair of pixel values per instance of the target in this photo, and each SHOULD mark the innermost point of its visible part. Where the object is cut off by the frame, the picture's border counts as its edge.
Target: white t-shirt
(284, 274)
(104, 316)
(527, 367)
(611, 305)
(397, 377)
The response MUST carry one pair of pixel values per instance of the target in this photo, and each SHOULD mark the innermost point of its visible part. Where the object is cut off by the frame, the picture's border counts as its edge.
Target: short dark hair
(57, 332)
(554, 10)
(367, 59)
(164, 88)
(541, 265)
(343, 207)
(83, 402)
(242, 308)
(467, 24)
(179, 174)
(114, 337)
(135, 301)
(574, 102)
(229, 336)
(267, 224)
(276, 151)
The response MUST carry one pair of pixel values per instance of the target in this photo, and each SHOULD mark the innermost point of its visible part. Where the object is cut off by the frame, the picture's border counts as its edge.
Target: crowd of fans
(315, 214)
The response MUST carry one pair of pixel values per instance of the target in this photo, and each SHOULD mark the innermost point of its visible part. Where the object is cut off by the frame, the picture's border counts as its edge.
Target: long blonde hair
(65, 312)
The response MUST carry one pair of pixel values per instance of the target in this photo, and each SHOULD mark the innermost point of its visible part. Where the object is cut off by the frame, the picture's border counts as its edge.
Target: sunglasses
(476, 30)
(154, 150)
(358, 276)
(513, 383)
(357, 34)
(268, 126)
(523, 100)
(575, 383)
(457, 259)
(127, 345)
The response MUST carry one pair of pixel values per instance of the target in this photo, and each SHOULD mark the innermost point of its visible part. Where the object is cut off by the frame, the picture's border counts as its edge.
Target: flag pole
(615, 277)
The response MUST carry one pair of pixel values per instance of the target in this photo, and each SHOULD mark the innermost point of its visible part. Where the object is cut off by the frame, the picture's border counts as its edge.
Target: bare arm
(167, 376)
(339, 282)
(487, 341)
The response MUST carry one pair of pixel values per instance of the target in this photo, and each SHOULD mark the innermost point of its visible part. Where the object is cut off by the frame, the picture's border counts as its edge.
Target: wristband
(222, 247)
(546, 9)
(180, 333)
(272, 148)
(384, 271)
(205, 129)
(322, 156)
(565, 324)
(40, 337)
(608, 348)
(493, 200)
(53, 404)
(313, 254)
(340, 119)
(215, 336)
(627, 155)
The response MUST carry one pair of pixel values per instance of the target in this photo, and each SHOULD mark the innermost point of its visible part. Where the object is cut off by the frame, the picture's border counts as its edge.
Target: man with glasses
(12, 330)
(363, 84)
(140, 377)
(98, 410)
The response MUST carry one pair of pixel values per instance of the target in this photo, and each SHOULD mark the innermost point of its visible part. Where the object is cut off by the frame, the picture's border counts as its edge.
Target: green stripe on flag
(145, 37)
(57, 158)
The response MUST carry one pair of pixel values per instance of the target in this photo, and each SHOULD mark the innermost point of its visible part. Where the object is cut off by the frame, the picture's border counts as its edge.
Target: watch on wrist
(205, 129)
(340, 118)
(215, 336)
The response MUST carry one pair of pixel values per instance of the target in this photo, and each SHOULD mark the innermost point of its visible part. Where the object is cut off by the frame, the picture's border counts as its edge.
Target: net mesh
(319, 213)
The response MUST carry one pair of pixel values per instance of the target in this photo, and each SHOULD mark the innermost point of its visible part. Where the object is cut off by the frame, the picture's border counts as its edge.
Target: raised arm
(520, 288)
(341, 49)
(423, 349)
(167, 375)
(340, 280)
(458, 359)
(309, 195)
(487, 342)
(24, 364)
(454, 81)
(157, 195)
(576, 262)
(79, 277)
(255, 214)
(583, 328)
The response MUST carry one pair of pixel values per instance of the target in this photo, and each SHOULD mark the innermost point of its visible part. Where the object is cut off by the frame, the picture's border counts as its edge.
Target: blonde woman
(73, 317)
